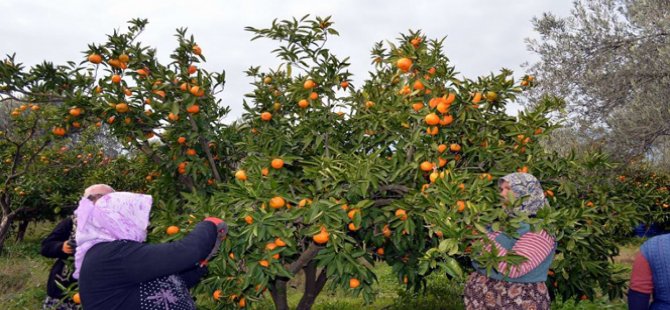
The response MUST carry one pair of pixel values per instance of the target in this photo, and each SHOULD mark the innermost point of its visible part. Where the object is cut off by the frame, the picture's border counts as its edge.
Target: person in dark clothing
(61, 244)
(117, 270)
(56, 245)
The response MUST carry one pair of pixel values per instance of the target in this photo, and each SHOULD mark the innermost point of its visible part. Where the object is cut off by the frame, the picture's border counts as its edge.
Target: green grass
(23, 274)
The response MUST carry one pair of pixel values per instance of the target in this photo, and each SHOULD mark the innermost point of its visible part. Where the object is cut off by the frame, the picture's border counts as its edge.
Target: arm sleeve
(492, 236)
(52, 245)
(150, 261)
(192, 276)
(641, 279)
(637, 300)
(535, 247)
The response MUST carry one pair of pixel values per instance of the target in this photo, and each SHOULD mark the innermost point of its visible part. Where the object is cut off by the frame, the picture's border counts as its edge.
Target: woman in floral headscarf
(516, 286)
(117, 270)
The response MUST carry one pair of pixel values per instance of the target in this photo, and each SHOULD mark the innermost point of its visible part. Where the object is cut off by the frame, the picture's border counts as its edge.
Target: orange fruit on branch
(75, 112)
(266, 116)
(304, 202)
(116, 79)
(477, 98)
(303, 104)
(309, 84)
(433, 177)
(114, 63)
(491, 96)
(322, 237)
(122, 107)
(401, 214)
(426, 166)
(124, 58)
(142, 72)
(172, 230)
(270, 246)
(193, 109)
(277, 163)
(352, 213)
(386, 231)
(197, 50)
(277, 202)
(460, 205)
(58, 131)
(432, 119)
(418, 85)
(446, 120)
(354, 283)
(404, 64)
(95, 58)
(248, 219)
(241, 175)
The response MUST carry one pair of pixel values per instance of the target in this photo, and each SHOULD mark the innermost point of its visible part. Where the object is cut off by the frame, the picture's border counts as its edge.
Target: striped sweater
(535, 247)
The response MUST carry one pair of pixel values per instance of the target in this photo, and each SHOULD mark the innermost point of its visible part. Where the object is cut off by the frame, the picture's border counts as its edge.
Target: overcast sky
(482, 35)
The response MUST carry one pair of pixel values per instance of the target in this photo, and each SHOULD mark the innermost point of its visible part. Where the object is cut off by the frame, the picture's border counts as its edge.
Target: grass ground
(23, 274)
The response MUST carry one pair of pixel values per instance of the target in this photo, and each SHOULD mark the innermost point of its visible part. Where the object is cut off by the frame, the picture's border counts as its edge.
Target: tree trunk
(278, 288)
(23, 226)
(5, 223)
(313, 286)
(278, 293)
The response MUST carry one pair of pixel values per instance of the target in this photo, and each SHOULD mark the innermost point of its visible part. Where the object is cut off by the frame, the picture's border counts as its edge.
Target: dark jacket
(125, 274)
(52, 247)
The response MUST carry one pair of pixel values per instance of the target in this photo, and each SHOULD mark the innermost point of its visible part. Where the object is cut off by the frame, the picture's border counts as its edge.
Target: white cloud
(482, 35)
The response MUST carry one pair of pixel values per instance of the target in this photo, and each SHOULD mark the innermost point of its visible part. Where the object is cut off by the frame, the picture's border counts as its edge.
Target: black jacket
(125, 274)
(52, 247)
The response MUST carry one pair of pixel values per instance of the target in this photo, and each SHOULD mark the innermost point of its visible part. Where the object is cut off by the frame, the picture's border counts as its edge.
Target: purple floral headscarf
(115, 216)
(526, 186)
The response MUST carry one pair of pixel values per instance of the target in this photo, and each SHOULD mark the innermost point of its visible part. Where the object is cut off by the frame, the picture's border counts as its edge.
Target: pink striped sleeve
(535, 247)
(641, 276)
(492, 236)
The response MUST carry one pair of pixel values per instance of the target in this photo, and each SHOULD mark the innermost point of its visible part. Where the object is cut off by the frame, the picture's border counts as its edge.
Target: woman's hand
(67, 249)
(222, 230)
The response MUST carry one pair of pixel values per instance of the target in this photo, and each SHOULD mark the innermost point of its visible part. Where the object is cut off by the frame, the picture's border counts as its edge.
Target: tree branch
(383, 202)
(205, 146)
(304, 258)
(400, 189)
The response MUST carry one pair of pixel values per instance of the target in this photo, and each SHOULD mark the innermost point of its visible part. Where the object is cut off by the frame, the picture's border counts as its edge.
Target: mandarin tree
(329, 178)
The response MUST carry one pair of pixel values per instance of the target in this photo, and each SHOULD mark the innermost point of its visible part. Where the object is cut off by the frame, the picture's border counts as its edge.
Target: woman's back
(126, 274)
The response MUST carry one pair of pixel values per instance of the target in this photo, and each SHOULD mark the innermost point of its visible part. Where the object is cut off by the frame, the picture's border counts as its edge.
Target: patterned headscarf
(115, 216)
(526, 186)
